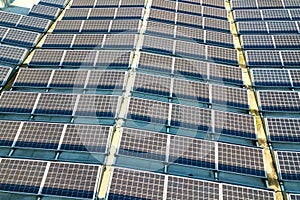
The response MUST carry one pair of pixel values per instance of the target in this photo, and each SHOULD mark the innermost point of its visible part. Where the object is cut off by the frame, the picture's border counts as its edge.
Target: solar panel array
(157, 81)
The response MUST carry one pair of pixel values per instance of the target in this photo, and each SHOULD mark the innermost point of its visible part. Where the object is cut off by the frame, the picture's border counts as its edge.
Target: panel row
(176, 150)
(97, 26)
(18, 37)
(190, 34)
(134, 184)
(12, 55)
(81, 59)
(279, 101)
(52, 136)
(276, 78)
(86, 41)
(103, 13)
(49, 178)
(272, 14)
(189, 118)
(191, 91)
(24, 22)
(268, 27)
(70, 79)
(190, 9)
(264, 4)
(190, 50)
(157, 64)
(286, 58)
(46, 12)
(52, 104)
(189, 20)
(107, 3)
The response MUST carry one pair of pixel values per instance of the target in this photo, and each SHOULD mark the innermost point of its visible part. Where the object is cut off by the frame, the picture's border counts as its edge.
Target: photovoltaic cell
(283, 129)
(132, 184)
(143, 144)
(289, 165)
(23, 176)
(241, 159)
(71, 180)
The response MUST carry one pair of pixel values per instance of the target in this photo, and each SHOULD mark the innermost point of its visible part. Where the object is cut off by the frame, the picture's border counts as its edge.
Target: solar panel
(191, 90)
(190, 34)
(271, 78)
(5, 72)
(247, 15)
(106, 80)
(148, 111)
(23, 176)
(17, 102)
(283, 129)
(190, 151)
(213, 3)
(9, 19)
(58, 41)
(42, 57)
(193, 189)
(55, 104)
(107, 3)
(291, 4)
(34, 24)
(232, 192)
(54, 3)
(3, 31)
(216, 25)
(71, 180)
(191, 117)
(46, 12)
(294, 196)
(282, 27)
(125, 26)
(39, 135)
(158, 45)
(69, 79)
(133, 3)
(83, 4)
(197, 2)
(132, 184)
(241, 159)
(295, 14)
(32, 78)
(8, 132)
(162, 16)
(190, 49)
(79, 58)
(189, 20)
(263, 58)
(276, 14)
(290, 58)
(189, 9)
(295, 76)
(132, 13)
(156, 63)
(113, 59)
(12, 55)
(101, 13)
(86, 41)
(143, 144)
(257, 42)
(164, 5)
(157, 85)
(287, 41)
(97, 106)
(219, 39)
(258, 27)
(191, 68)
(280, 101)
(21, 38)
(232, 124)
(77, 14)
(270, 4)
(245, 4)
(68, 26)
(214, 12)
(160, 29)
(222, 55)
(120, 41)
(86, 138)
(229, 96)
(288, 165)
(95, 26)
(223, 73)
